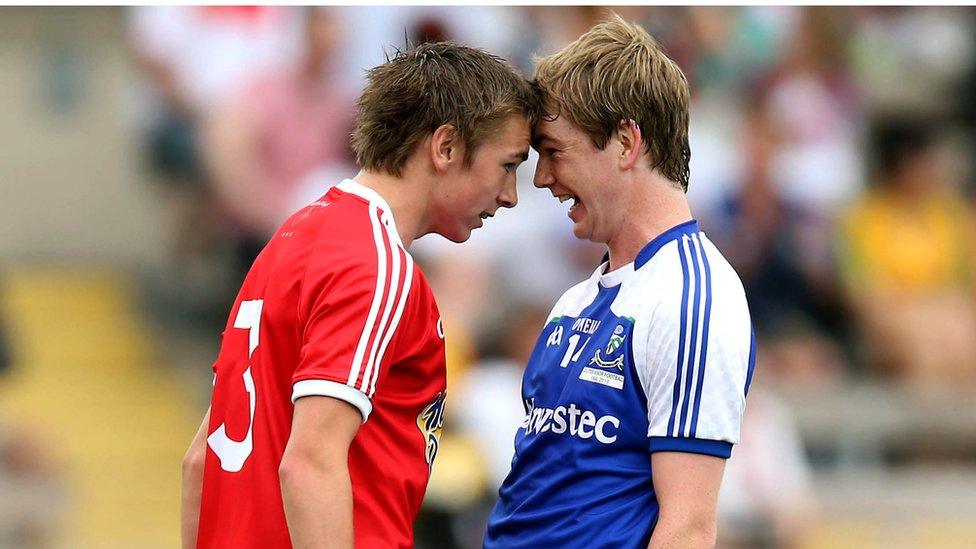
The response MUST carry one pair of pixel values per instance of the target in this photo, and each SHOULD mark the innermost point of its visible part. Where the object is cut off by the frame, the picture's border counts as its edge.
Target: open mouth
(486, 215)
(564, 197)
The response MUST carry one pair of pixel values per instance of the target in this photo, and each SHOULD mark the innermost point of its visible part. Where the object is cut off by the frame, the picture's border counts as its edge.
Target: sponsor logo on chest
(572, 421)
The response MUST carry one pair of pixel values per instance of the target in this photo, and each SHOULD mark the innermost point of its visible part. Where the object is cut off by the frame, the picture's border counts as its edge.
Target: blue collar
(674, 233)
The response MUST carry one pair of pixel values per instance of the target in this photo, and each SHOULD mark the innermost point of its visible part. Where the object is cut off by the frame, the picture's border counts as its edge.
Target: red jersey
(334, 306)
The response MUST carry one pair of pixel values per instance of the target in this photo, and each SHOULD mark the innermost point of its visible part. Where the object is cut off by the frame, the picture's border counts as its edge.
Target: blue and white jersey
(654, 356)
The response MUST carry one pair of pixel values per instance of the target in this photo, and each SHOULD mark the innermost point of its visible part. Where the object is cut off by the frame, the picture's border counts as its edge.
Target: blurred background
(148, 153)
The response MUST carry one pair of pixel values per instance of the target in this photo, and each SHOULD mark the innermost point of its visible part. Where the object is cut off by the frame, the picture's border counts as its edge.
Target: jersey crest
(608, 361)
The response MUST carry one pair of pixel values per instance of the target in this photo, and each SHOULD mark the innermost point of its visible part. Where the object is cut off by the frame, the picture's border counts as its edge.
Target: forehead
(557, 129)
(514, 133)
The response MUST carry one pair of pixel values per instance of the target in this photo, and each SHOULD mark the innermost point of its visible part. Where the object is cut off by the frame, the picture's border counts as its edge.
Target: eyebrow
(522, 155)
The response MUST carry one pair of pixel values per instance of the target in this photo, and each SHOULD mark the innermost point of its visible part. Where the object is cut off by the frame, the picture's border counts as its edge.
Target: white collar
(613, 278)
(374, 198)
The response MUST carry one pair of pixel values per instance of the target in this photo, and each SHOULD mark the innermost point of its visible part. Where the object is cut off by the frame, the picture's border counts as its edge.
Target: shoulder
(722, 277)
(349, 240)
(687, 287)
(342, 228)
(690, 268)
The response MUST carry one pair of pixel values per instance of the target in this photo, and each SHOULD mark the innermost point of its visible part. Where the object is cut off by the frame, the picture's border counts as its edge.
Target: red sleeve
(355, 297)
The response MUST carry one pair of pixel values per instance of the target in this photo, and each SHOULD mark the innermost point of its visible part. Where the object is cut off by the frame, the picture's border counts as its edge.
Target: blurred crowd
(831, 163)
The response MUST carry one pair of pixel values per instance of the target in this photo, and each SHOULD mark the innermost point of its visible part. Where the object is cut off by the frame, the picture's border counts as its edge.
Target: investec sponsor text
(577, 422)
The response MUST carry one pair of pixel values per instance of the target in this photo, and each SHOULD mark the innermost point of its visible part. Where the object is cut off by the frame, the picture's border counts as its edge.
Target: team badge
(430, 421)
(607, 365)
(616, 339)
(617, 363)
(605, 361)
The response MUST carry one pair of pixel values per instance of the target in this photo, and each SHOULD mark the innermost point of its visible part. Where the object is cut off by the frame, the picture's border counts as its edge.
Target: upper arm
(197, 452)
(686, 486)
(694, 353)
(351, 309)
(322, 430)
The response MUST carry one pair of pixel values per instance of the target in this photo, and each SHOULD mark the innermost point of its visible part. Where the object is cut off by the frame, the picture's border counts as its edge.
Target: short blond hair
(616, 71)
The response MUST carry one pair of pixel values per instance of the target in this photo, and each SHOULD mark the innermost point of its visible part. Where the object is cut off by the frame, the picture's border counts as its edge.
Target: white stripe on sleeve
(372, 364)
(378, 295)
(408, 278)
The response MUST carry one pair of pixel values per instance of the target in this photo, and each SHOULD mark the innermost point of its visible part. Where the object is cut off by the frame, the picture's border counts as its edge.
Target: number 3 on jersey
(233, 453)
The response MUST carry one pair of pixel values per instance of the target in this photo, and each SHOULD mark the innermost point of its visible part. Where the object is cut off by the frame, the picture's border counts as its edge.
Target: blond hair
(416, 91)
(616, 71)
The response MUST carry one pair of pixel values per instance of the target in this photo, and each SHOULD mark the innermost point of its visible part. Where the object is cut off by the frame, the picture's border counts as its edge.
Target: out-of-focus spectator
(766, 498)
(817, 106)
(193, 56)
(728, 48)
(189, 59)
(909, 262)
(780, 249)
(489, 402)
(32, 483)
(933, 44)
(282, 138)
(31, 480)
(554, 27)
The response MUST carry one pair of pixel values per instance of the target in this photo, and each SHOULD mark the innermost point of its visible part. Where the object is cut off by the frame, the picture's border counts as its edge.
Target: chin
(459, 235)
(582, 232)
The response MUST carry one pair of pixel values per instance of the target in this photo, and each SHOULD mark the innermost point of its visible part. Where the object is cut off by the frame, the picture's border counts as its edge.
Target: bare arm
(314, 473)
(687, 491)
(193, 464)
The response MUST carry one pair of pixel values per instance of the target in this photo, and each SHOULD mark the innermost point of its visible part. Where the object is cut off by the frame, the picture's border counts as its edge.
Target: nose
(509, 195)
(543, 177)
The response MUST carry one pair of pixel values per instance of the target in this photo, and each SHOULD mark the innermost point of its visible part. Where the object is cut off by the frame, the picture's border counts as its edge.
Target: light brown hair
(616, 71)
(417, 91)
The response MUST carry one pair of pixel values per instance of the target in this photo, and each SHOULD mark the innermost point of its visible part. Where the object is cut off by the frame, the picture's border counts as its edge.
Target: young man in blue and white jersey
(635, 391)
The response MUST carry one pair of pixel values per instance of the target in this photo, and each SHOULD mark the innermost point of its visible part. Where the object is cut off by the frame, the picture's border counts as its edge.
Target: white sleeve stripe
(408, 279)
(372, 365)
(377, 297)
(324, 387)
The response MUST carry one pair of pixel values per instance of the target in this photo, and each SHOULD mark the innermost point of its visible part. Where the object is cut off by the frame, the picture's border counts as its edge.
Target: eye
(549, 152)
(510, 167)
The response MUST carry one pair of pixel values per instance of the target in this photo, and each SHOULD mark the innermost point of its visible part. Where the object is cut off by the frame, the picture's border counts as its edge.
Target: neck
(406, 197)
(651, 208)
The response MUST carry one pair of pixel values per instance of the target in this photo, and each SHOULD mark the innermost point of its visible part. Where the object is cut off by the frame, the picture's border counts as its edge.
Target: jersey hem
(334, 389)
(717, 448)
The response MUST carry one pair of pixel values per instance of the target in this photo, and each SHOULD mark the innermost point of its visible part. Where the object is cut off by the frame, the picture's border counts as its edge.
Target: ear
(631, 143)
(445, 147)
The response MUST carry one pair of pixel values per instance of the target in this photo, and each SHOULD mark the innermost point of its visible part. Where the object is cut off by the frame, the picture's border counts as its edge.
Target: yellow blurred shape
(883, 533)
(85, 378)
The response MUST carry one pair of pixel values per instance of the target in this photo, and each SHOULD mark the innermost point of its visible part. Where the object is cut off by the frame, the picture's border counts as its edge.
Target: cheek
(470, 196)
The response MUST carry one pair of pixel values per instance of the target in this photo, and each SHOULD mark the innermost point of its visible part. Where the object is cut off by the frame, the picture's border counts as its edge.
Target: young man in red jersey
(330, 383)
